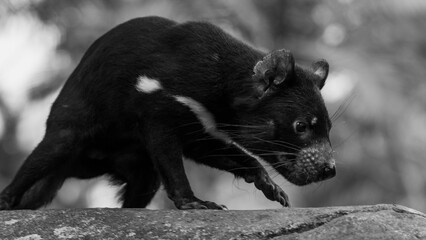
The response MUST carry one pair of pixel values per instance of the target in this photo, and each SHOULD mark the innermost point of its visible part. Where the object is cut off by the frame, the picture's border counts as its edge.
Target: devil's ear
(320, 69)
(274, 69)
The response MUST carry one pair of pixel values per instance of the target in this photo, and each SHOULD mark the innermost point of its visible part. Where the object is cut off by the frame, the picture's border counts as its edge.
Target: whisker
(288, 143)
(278, 144)
(342, 163)
(342, 108)
(266, 150)
(195, 132)
(225, 155)
(281, 164)
(187, 124)
(207, 138)
(274, 154)
(241, 126)
(345, 140)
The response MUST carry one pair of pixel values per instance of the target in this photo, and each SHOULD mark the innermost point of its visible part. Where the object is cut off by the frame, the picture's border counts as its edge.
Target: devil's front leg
(165, 151)
(230, 158)
(270, 189)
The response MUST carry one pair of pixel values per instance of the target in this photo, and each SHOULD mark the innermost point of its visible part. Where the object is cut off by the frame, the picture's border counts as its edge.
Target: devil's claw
(271, 190)
(199, 204)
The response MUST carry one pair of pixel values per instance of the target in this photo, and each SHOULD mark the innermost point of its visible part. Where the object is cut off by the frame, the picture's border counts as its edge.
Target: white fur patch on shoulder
(147, 85)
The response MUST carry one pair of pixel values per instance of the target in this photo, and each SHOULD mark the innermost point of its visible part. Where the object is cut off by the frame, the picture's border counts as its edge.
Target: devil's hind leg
(42, 173)
(141, 178)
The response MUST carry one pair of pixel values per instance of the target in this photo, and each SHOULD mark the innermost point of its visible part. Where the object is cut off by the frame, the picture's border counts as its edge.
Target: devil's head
(286, 122)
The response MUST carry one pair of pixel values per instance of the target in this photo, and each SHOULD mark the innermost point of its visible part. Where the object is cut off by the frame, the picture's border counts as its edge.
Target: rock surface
(354, 222)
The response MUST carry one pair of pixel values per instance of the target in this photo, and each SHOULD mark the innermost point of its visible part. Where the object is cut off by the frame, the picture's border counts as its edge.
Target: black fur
(100, 124)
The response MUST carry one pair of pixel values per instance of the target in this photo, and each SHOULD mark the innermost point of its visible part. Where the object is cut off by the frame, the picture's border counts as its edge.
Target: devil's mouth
(302, 169)
(287, 167)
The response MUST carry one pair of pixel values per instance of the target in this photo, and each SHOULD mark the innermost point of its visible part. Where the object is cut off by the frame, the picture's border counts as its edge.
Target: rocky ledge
(352, 222)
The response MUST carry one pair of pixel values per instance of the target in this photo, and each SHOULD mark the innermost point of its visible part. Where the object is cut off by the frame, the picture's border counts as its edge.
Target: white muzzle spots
(147, 85)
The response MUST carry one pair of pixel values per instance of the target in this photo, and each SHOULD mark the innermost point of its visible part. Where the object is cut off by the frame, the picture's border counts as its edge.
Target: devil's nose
(329, 170)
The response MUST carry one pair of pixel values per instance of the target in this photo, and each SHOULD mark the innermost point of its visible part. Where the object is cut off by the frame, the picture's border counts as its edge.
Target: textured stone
(353, 222)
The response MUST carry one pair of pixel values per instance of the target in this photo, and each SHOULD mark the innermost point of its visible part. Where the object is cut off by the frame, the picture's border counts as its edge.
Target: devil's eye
(300, 127)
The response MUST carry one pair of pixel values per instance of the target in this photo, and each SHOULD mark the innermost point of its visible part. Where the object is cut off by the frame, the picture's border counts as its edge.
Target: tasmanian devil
(152, 91)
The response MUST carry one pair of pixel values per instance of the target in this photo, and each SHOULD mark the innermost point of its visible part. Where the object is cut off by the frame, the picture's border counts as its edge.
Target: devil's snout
(329, 170)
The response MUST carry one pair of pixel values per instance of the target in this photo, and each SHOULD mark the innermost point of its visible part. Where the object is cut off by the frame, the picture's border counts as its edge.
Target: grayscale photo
(212, 119)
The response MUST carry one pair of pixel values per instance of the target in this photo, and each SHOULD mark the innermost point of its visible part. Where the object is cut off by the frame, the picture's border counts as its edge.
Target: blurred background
(376, 90)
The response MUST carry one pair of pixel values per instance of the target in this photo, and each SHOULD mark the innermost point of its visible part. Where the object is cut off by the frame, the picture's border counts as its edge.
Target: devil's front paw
(195, 203)
(270, 189)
